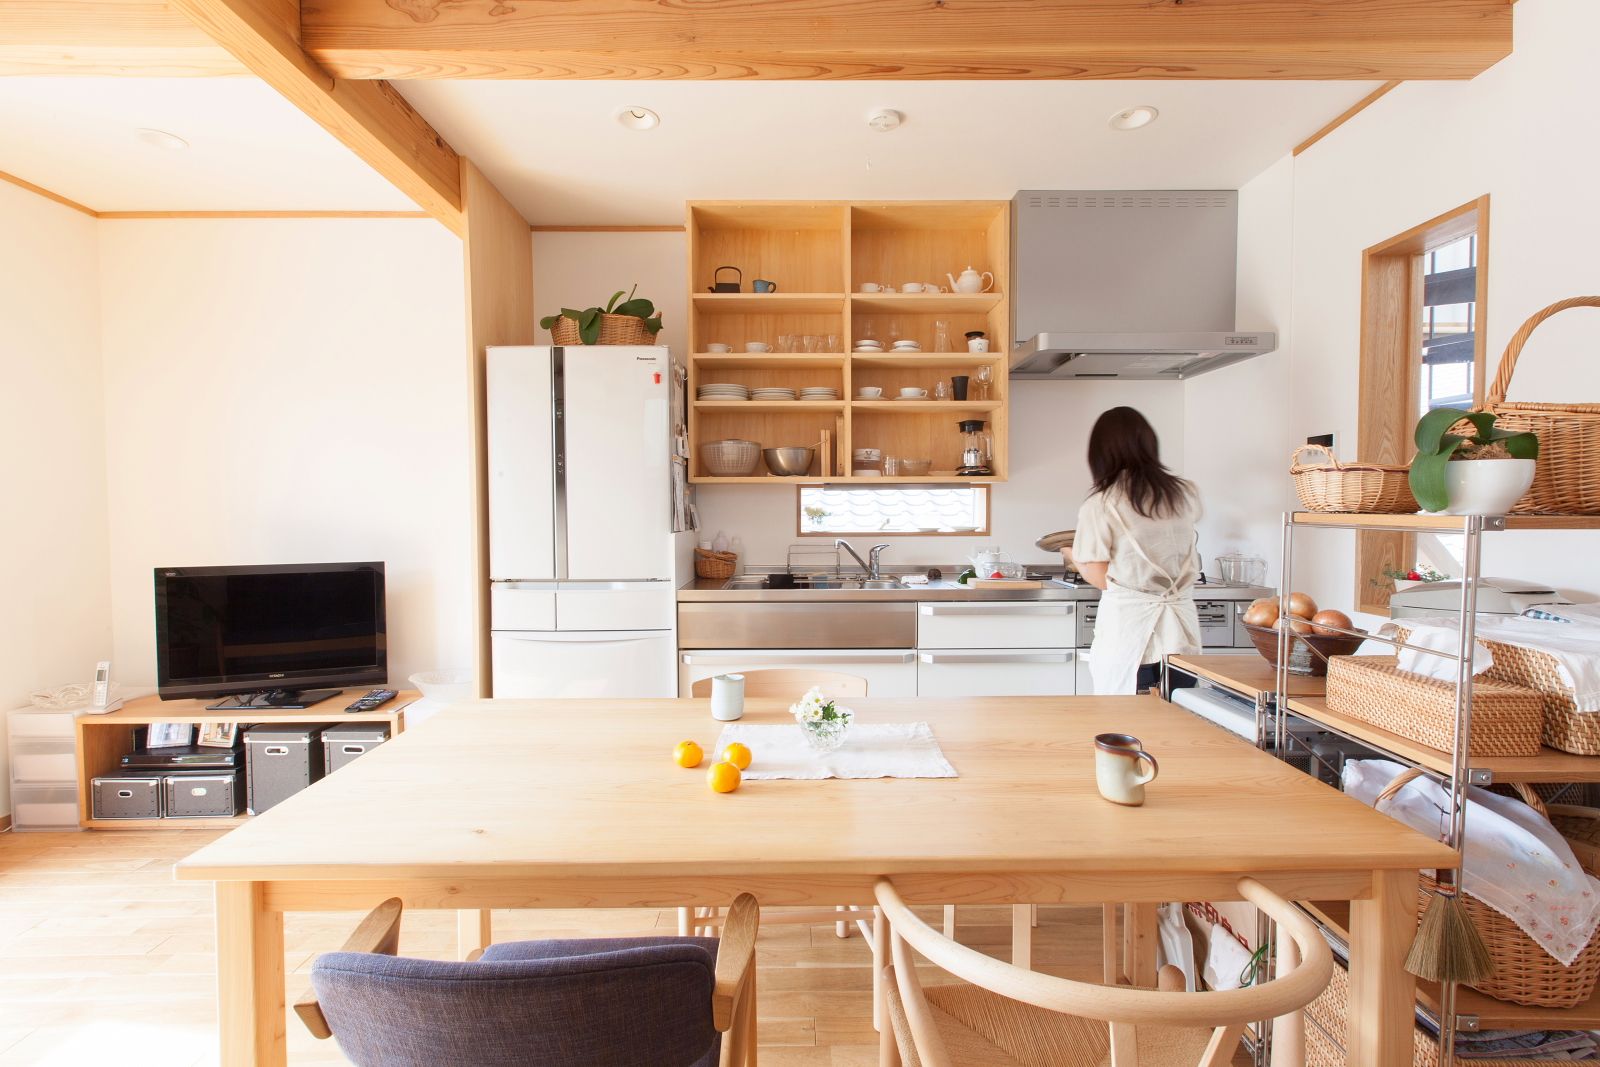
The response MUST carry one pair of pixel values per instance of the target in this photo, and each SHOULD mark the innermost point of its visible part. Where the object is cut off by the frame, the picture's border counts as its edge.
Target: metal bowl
(789, 462)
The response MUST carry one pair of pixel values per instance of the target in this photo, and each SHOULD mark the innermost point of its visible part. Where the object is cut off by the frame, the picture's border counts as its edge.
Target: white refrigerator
(581, 546)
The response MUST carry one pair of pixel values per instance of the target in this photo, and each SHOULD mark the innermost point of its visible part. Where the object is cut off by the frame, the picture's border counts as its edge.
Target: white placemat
(871, 750)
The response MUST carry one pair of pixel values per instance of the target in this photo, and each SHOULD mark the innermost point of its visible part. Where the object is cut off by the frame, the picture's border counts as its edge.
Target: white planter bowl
(1486, 486)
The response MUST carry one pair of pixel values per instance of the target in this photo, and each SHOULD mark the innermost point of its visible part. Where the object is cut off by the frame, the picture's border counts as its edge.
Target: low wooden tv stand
(102, 740)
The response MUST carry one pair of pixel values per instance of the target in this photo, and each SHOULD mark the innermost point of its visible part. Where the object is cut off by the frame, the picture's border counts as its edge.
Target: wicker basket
(1308, 653)
(1581, 827)
(1565, 727)
(709, 564)
(1363, 488)
(1566, 480)
(1506, 721)
(614, 330)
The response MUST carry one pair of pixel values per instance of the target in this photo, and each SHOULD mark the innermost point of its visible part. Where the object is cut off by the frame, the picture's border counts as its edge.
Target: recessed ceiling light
(638, 118)
(885, 119)
(1134, 117)
(162, 139)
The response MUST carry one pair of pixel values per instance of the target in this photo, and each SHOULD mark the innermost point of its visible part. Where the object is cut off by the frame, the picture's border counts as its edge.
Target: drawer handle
(997, 657)
(995, 609)
(274, 750)
(125, 794)
(757, 659)
(197, 791)
(354, 750)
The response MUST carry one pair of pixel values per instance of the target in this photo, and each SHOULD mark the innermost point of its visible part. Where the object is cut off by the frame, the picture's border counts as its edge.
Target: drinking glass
(786, 342)
(832, 344)
(894, 330)
(812, 342)
(982, 378)
(891, 466)
(941, 390)
(941, 336)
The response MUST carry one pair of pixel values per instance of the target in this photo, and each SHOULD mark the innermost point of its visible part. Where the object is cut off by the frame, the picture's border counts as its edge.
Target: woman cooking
(1136, 541)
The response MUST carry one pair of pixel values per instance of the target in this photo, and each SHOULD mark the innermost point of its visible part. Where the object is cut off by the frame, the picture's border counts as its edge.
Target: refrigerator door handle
(601, 586)
(579, 637)
(558, 400)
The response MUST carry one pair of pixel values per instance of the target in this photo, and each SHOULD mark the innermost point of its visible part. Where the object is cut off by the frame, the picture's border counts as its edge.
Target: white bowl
(757, 346)
(1486, 486)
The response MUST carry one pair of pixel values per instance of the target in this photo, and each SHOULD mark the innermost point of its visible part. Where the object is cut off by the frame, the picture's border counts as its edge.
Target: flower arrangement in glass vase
(823, 721)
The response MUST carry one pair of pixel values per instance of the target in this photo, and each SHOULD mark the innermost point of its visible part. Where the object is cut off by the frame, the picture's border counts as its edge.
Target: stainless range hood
(1126, 285)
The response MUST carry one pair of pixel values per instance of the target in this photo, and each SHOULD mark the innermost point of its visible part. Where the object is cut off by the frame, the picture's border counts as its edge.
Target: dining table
(579, 803)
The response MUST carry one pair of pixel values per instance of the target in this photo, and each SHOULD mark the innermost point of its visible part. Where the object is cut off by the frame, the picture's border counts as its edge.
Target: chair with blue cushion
(604, 1002)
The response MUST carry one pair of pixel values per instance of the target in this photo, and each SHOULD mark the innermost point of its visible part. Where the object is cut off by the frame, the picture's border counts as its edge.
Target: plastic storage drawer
(43, 761)
(129, 797)
(280, 760)
(344, 743)
(49, 807)
(201, 796)
(35, 722)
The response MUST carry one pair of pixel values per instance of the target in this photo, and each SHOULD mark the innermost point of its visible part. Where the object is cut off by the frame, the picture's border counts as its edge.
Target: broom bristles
(1448, 948)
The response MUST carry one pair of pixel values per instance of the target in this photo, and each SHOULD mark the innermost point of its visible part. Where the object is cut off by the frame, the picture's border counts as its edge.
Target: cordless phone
(100, 700)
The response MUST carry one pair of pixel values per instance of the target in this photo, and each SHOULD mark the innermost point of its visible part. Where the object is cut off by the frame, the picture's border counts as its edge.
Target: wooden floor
(105, 958)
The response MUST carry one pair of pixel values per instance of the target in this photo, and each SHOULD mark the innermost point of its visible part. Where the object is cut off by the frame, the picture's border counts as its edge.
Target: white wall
(55, 615)
(290, 391)
(1521, 132)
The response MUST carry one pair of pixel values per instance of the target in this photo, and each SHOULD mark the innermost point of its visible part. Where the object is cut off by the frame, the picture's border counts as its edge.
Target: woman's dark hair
(1123, 453)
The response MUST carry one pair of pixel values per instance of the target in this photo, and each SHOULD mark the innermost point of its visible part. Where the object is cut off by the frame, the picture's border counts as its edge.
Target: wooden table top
(588, 788)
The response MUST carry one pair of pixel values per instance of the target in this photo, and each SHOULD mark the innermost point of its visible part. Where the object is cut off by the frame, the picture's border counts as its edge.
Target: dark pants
(1149, 677)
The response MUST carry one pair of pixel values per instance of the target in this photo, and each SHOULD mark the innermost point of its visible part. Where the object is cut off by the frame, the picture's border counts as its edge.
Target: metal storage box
(280, 760)
(201, 796)
(343, 743)
(129, 797)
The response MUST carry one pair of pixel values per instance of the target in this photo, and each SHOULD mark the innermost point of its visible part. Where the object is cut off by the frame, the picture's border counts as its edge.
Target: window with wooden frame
(1424, 302)
(894, 510)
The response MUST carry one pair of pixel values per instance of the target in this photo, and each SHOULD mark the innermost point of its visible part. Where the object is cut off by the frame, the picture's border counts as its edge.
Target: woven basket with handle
(1524, 973)
(614, 330)
(1363, 488)
(1567, 478)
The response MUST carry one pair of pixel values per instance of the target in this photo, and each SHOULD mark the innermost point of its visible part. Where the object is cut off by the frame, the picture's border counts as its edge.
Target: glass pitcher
(977, 448)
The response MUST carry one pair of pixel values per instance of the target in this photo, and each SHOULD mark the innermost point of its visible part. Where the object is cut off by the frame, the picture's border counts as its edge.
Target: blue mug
(761, 285)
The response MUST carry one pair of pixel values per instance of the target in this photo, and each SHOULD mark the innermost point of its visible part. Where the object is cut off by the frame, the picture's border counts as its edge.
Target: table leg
(880, 960)
(1382, 994)
(1022, 936)
(474, 933)
(251, 1001)
(1139, 940)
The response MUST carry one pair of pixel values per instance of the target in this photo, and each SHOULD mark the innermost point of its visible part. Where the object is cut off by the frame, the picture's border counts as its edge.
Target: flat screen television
(278, 631)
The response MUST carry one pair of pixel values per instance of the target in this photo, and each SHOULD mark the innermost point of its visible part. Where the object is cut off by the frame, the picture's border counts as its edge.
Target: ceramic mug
(913, 393)
(1116, 768)
(911, 287)
(719, 348)
(727, 697)
(870, 392)
(761, 285)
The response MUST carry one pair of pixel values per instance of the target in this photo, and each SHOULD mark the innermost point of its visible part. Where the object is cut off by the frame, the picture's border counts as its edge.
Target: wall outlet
(1323, 439)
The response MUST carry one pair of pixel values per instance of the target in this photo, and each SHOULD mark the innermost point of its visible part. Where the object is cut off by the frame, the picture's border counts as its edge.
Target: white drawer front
(996, 624)
(42, 724)
(889, 672)
(996, 673)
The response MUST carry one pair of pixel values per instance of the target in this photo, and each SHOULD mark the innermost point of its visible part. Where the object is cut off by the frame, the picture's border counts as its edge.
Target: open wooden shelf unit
(103, 739)
(819, 254)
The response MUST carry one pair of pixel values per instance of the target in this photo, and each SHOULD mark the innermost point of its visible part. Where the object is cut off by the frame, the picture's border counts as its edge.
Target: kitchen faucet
(870, 565)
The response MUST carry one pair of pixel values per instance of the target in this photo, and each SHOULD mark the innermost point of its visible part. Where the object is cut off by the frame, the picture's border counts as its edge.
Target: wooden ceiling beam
(118, 38)
(369, 117)
(1377, 40)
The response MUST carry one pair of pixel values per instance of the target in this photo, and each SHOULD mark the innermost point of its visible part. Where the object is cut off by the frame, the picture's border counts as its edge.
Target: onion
(1296, 625)
(1302, 605)
(1262, 612)
(1330, 621)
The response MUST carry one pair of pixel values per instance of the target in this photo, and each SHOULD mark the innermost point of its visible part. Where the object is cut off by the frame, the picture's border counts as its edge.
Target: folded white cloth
(1515, 861)
(870, 750)
(1575, 646)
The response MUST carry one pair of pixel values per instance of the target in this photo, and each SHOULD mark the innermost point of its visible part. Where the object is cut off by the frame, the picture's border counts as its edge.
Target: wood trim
(498, 252)
(261, 214)
(900, 39)
(607, 229)
(1441, 229)
(372, 120)
(39, 190)
(1349, 113)
(5, 823)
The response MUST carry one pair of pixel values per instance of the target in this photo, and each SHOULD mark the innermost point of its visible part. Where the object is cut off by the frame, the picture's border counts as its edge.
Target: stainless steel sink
(758, 581)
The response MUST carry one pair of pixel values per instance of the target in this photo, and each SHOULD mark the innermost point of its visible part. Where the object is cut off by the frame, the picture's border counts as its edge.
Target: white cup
(719, 348)
(871, 287)
(727, 697)
(978, 344)
(1117, 759)
(911, 287)
(870, 392)
(913, 393)
(757, 346)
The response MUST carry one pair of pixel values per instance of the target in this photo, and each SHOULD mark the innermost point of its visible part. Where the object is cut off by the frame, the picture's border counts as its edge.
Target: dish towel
(1574, 645)
(1515, 862)
(870, 750)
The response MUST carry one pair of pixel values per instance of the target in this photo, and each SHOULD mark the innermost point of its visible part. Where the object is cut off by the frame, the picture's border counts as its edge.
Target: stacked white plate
(722, 391)
(868, 345)
(907, 346)
(819, 392)
(771, 392)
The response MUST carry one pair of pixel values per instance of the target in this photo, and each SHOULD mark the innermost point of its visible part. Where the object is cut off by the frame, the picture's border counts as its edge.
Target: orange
(723, 777)
(688, 754)
(738, 755)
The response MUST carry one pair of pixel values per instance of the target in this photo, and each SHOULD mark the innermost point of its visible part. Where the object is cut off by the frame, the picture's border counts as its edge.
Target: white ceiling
(249, 149)
(556, 151)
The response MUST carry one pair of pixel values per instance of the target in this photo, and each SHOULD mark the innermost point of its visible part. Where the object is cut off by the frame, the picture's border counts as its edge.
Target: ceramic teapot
(971, 282)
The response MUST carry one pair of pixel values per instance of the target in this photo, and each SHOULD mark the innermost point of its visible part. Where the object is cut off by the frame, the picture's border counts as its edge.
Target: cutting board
(1004, 583)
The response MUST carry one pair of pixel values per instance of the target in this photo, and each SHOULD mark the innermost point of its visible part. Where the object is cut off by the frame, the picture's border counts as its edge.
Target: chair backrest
(623, 1006)
(791, 684)
(1122, 1009)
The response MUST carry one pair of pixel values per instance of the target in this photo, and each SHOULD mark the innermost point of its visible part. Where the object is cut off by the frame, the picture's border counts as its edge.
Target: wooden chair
(1003, 1016)
(791, 684)
(782, 684)
(604, 1000)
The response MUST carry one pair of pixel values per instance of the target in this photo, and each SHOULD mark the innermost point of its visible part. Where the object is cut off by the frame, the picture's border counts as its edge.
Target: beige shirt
(1109, 529)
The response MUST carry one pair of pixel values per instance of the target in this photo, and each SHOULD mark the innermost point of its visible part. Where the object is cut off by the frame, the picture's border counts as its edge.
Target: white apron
(1127, 618)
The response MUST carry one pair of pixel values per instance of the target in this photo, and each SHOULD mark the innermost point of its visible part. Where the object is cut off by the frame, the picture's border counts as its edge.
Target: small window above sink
(893, 511)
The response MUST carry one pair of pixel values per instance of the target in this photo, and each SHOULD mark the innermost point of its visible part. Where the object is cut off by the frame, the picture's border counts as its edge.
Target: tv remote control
(374, 698)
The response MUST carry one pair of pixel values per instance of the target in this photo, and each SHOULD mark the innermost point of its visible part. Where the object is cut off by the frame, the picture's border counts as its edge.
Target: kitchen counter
(711, 590)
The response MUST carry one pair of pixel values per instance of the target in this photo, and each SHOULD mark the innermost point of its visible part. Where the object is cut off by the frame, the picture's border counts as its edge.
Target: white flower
(812, 707)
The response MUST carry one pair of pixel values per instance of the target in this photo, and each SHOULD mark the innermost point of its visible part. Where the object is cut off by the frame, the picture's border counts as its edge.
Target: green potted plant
(635, 321)
(1482, 470)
